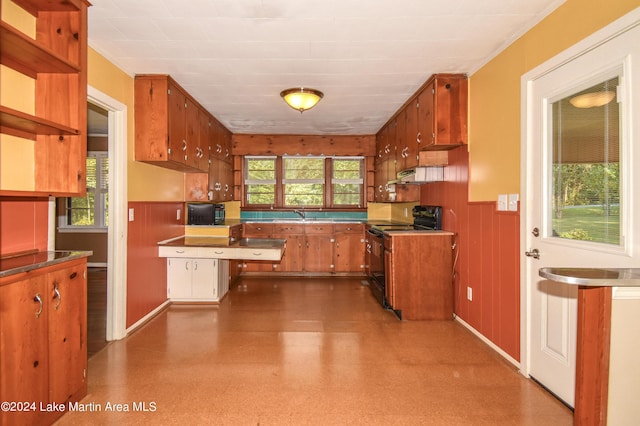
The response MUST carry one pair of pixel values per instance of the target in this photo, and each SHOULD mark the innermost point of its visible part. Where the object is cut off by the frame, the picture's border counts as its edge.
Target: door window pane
(585, 181)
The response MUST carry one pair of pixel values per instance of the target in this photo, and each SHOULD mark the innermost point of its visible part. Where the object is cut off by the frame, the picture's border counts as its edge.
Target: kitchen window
(310, 181)
(91, 211)
(303, 182)
(260, 181)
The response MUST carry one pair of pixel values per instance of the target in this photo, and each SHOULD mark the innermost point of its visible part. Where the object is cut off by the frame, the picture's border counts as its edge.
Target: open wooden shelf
(35, 6)
(25, 55)
(28, 126)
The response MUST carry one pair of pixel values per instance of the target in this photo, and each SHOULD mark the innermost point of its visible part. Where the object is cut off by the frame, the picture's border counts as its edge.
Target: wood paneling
(23, 224)
(488, 258)
(304, 145)
(146, 272)
(592, 362)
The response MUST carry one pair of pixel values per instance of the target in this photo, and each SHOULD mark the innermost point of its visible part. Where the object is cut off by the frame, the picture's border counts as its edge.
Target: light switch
(513, 202)
(130, 215)
(502, 202)
(178, 214)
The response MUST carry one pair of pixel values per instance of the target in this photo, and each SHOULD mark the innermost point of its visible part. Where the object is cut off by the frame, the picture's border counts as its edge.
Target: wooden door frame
(117, 230)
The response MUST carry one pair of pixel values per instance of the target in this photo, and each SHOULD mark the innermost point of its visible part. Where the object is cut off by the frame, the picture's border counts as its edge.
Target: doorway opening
(83, 223)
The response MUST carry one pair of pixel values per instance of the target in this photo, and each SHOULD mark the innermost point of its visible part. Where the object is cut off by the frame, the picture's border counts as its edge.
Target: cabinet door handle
(257, 254)
(38, 299)
(184, 145)
(73, 275)
(186, 266)
(195, 266)
(56, 295)
(419, 137)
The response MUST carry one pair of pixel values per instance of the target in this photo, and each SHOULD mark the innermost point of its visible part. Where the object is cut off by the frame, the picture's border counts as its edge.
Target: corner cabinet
(57, 61)
(168, 125)
(43, 341)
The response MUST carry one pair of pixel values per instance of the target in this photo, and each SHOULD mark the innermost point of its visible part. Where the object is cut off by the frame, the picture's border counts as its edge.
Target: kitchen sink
(309, 220)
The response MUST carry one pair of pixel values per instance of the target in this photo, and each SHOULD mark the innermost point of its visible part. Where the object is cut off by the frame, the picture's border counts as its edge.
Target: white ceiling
(367, 56)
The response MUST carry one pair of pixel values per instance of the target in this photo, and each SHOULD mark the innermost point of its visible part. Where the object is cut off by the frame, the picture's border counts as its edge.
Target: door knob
(533, 253)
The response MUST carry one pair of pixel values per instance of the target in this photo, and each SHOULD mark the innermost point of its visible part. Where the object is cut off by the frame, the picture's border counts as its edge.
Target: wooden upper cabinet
(442, 112)
(169, 125)
(411, 135)
(57, 60)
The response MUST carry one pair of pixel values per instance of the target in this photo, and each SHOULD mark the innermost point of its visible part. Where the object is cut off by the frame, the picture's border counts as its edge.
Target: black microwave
(205, 214)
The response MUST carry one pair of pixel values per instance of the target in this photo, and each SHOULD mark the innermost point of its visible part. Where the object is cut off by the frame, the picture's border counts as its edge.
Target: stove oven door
(375, 262)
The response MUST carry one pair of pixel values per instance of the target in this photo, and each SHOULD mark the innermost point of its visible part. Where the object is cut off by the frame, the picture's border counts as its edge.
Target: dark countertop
(30, 261)
(255, 243)
(594, 277)
(233, 222)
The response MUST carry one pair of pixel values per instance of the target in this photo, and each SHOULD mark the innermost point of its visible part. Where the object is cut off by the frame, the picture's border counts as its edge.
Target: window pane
(81, 211)
(303, 168)
(348, 192)
(346, 199)
(586, 166)
(304, 194)
(261, 175)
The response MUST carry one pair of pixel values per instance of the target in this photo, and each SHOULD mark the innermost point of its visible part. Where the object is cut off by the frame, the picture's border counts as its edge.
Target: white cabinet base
(197, 279)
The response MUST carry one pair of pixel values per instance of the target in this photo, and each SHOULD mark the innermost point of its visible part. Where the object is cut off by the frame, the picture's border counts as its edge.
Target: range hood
(421, 174)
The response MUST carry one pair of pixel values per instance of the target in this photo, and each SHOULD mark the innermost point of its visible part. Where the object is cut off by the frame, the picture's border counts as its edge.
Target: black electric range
(425, 218)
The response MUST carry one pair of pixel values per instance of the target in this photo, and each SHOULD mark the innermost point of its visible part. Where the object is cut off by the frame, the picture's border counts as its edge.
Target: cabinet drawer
(288, 228)
(324, 228)
(348, 228)
(165, 251)
(257, 229)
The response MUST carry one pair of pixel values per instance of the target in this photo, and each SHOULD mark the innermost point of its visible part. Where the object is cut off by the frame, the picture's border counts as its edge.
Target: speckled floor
(306, 351)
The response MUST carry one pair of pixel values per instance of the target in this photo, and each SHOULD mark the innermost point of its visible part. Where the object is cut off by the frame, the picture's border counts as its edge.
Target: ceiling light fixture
(594, 99)
(301, 99)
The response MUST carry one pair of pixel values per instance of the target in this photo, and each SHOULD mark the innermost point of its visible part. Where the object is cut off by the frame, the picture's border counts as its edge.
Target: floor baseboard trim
(147, 317)
(488, 342)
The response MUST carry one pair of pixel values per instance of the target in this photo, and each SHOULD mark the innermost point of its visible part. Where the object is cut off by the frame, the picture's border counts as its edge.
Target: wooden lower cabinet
(349, 248)
(318, 253)
(312, 248)
(418, 275)
(43, 335)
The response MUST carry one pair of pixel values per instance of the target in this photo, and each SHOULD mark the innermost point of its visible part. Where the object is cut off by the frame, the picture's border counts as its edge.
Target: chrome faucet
(300, 213)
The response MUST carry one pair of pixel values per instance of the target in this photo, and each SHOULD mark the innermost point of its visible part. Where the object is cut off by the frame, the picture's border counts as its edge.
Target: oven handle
(375, 233)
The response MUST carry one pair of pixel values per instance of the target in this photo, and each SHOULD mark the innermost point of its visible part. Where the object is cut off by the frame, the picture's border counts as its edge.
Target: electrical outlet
(130, 215)
(469, 294)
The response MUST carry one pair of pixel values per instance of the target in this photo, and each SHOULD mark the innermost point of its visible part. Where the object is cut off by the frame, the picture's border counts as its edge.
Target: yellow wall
(17, 92)
(494, 94)
(145, 182)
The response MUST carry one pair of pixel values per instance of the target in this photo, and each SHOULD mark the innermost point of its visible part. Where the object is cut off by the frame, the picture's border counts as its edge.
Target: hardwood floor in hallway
(295, 351)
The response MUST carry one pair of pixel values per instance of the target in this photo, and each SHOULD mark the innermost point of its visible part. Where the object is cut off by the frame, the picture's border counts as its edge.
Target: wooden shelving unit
(57, 60)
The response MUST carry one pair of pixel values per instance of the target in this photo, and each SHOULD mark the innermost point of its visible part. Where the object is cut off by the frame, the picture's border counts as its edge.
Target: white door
(577, 157)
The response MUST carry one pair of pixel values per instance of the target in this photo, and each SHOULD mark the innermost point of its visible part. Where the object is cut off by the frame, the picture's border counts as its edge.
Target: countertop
(594, 277)
(30, 261)
(255, 243)
(234, 222)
